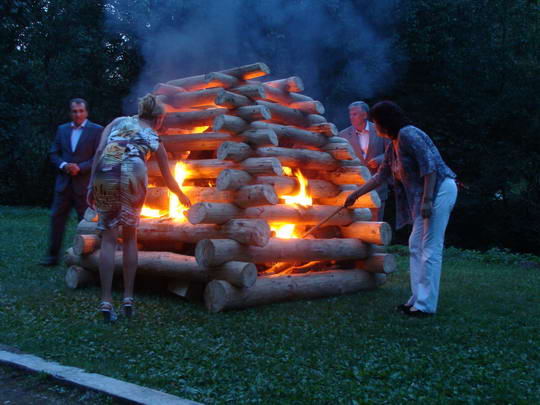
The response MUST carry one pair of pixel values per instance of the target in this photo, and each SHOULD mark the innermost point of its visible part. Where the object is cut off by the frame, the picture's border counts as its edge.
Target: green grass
(482, 346)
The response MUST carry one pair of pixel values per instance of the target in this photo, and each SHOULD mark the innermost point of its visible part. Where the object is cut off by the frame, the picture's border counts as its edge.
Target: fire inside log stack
(261, 166)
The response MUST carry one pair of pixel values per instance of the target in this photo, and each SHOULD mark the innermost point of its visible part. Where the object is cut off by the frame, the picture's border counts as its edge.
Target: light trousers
(426, 244)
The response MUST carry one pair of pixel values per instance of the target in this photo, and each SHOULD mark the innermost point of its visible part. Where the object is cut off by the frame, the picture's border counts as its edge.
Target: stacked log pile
(244, 145)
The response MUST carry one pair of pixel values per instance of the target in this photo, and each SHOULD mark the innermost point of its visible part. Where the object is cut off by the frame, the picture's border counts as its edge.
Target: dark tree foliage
(465, 71)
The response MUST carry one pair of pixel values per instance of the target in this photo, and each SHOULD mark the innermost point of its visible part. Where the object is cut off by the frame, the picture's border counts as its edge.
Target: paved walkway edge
(107, 385)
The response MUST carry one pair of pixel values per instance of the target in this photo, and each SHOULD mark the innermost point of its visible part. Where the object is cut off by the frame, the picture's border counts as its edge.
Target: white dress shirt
(76, 132)
(363, 139)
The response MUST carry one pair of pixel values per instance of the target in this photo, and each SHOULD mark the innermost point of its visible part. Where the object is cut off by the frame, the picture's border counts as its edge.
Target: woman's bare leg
(130, 253)
(106, 262)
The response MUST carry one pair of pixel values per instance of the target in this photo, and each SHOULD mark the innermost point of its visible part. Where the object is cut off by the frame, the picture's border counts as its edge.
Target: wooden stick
(324, 221)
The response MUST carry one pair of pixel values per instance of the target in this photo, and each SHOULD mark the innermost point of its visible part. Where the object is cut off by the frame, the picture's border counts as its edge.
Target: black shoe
(48, 261)
(403, 307)
(417, 313)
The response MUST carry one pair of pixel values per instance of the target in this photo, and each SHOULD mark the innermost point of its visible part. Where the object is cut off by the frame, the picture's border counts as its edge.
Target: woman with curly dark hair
(425, 192)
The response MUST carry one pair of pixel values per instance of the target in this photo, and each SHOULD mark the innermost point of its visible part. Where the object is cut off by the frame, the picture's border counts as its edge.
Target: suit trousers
(61, 207)
(426, 244)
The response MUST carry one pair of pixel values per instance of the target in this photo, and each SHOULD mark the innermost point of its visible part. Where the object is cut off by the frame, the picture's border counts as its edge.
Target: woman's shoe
(107, 310)
(416, 313)
(403, 307)
(128, 309)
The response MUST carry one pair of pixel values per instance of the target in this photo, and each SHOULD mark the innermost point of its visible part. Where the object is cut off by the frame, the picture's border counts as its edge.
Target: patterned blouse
(414, 157)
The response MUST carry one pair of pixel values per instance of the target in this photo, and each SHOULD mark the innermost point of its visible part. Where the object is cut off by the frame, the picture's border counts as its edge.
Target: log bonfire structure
(261, 166)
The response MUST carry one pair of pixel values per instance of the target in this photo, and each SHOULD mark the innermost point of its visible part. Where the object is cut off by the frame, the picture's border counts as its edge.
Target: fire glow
(302, 198)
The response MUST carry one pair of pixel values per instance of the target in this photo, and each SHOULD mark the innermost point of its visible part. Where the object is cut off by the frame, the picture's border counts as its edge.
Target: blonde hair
(150, 107)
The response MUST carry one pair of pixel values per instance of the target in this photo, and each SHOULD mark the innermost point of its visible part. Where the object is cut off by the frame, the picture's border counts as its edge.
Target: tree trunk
(234, 151)
(197, 98)
(163, 89)
(326, 128)
(231, 100)
(212, 213)
(77, 277)
(283, 97)
(340, 151)
(262, 165)
(308, 107)
(248, 72)
(191, 119)
(190, 83)
(238, 274)
(84, 244)
(229, 124)
(232, 179)
(356, 175)
(259, 137)
(379, 233)
(253, 91)
(369, 200)
(292, 134)
(253, 113)
(290, 84)
(378, 263)
(300, 158)
(213, 252)
(219, 79)
(221, 296)
(285, 115)
(254, 195)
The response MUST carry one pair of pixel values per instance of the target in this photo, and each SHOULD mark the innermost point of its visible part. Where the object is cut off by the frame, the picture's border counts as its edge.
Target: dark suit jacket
(376, 148)
(83, 155)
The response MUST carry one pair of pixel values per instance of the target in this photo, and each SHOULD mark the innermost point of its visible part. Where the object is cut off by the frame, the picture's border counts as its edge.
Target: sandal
(128, 304)
(107, 310)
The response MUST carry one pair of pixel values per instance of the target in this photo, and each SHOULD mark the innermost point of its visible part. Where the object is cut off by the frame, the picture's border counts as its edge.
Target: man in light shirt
(72, 154)
(368, 147)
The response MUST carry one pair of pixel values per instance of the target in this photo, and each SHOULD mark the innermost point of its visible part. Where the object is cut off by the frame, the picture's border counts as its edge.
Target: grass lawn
(482, 346)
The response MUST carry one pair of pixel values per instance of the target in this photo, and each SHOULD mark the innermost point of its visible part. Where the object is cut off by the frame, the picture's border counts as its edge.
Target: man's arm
(55, 152)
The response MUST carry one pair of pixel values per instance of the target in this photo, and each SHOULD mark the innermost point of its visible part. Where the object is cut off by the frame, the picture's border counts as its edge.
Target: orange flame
(198, 130)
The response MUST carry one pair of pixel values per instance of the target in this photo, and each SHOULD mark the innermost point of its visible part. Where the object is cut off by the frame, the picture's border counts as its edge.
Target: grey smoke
(350, 40)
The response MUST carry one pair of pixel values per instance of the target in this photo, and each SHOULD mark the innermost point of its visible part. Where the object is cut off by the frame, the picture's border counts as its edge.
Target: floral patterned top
(414, 157)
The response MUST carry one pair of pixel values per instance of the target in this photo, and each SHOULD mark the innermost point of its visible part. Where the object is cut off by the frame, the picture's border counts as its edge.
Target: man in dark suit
(369, 147)
(72, 153)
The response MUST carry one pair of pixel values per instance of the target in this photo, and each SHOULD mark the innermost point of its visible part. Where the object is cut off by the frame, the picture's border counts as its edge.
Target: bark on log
(300, 158)
(191, 119)
(369, 200)
(262, 165)
(164, 89)
(315, 119)
(290, 84)
(247, 72)
(285, 115)
(77, 277)
(357, 175)
(378, 263)
(202, 168)
(379, 233)
(295, 135)
(212, 213)
(214, 252)
(253, 91)
(308, 107)
(340, 151)
(254, 195)
(219, 79)
(254, 232)
(232, 179)
(84, 244)
(326, 128)
(282, 97)
(253, 113)
(204, 141)
(229, 124)
(234, 151)
(190, 83)
(259, 137)
(284, 185)
(238, 274)
(197, 98)
(231, 100)
(294, 214)
(221, 296)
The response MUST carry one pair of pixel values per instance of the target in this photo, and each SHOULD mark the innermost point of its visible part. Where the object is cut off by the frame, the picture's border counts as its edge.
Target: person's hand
(90, 199)
(351, 199)
(372, 164)
(426, 209)
(75, 169)
(184, 200)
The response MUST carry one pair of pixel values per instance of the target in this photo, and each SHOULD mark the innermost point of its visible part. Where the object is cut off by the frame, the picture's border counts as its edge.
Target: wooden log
(285, 185)
(190, 83)
(221, 296)
(77, 277)
(384, 263)
(253, 91)
(220, 79)
(254, 232)
(285, 115)
(300, 158)
(84, 244)
(234, 151)
(247, 72)
(214, 252)
(202, 168)
(379, 233)
(192, 142)
(238, 274)
(259, 137)
(326, 128)
(164, 89)
(295, 214)
(295, 135)
(231, 100)
(315, 119)
(340, 150)
(254, 195)
(308, 107)
(290, 84)
(253, 113)
(369, 200)
(191, 119)
(348, 175)
(283, 97)
(262, 165)
(229, 124)
(212, 213)
(232, 179)
(197, 98)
